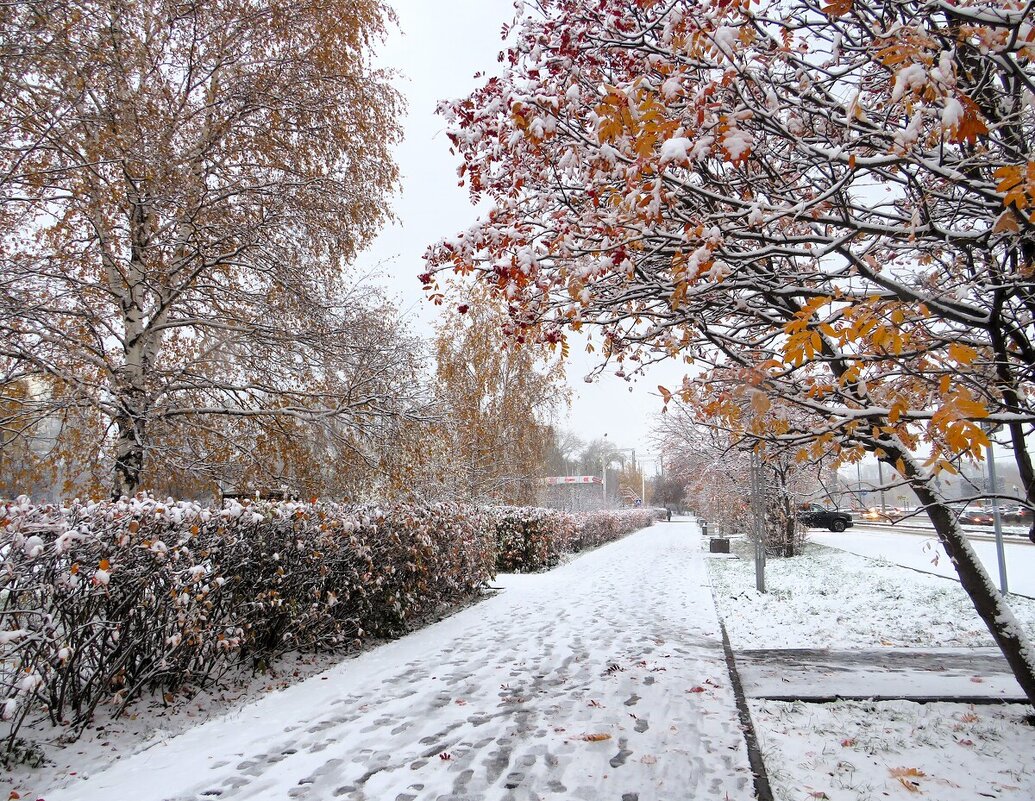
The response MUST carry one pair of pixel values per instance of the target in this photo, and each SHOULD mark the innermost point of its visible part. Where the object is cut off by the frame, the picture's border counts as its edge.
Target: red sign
(573, 480)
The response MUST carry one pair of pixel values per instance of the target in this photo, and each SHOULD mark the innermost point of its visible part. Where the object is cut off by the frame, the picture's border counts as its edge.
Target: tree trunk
(129, 452)
(988, 601)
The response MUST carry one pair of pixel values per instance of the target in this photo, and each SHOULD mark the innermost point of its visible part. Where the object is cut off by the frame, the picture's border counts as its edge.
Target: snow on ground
(604, 678)
(923, 552)
(863, 751)
(832, 599)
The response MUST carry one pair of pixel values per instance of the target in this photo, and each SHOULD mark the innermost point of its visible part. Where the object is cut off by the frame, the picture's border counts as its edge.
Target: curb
(763, 790)
(975, 700)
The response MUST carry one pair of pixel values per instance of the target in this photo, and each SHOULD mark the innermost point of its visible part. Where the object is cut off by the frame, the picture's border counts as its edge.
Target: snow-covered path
(602, 679)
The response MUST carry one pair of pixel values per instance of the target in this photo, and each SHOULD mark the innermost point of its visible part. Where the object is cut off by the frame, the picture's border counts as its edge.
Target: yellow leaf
(907, 777)
(962, 354)
(971, 408)
(759, 402)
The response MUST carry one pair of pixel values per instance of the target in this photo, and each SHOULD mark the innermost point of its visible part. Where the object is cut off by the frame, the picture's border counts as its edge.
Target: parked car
(814, 515)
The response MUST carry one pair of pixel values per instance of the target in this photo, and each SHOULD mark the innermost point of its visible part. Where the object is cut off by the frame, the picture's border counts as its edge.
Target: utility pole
(880, 479)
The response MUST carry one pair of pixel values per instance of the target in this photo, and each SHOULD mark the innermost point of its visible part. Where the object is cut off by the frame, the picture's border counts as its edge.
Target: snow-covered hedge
(596, 528)
(100, 602)
(530, 539)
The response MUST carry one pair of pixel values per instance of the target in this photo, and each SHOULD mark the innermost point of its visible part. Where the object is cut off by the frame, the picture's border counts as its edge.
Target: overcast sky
(441, 45)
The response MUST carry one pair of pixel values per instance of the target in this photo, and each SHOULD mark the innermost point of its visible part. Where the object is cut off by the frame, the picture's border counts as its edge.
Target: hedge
(530, 539)
(101, 602)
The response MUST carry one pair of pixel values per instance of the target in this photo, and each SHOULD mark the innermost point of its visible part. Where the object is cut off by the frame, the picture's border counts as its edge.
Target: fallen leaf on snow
(649, 759)
(595, 738)
(848, 742)
(907, 778)
(697, 689)
(977, 679)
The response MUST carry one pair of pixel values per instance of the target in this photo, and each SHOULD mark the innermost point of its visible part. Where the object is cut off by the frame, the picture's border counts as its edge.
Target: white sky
(441, 46)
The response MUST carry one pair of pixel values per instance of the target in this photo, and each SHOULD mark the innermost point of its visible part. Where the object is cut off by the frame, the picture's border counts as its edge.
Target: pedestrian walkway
(602, 680)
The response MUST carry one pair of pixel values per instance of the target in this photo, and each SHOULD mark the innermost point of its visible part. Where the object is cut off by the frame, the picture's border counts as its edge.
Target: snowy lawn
(923, 552)
(856, 751)
(832, 599)
(859, 751)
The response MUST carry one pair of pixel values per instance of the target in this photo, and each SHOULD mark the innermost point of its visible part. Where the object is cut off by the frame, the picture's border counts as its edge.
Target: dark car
(977, 517)
(813, 515)
(1017, 515)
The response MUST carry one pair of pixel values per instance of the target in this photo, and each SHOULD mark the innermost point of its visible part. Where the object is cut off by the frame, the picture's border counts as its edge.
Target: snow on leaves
(704, 183)
(260, 579)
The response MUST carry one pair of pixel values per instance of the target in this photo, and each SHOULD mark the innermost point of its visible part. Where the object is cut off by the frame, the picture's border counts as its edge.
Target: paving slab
(969, 674)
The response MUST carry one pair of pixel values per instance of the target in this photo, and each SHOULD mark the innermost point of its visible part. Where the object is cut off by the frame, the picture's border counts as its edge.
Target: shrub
(102, 601)
(530, 539)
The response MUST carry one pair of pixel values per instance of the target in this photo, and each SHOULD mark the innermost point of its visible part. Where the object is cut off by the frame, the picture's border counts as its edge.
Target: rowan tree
(181, 187)
(826, 210)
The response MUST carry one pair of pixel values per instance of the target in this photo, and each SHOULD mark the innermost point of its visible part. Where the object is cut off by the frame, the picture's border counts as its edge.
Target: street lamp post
(997, 522)
(643, 475)
(880, 480)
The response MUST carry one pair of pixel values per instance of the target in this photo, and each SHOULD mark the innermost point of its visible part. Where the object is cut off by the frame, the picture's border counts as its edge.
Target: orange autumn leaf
(595, 738)
(907, 778)
(971, 125)
(838, 8)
